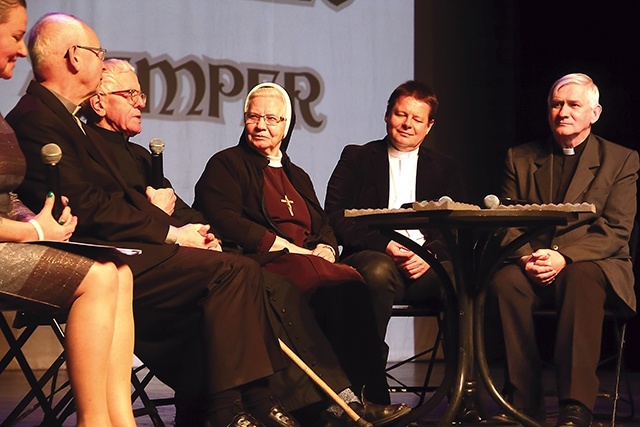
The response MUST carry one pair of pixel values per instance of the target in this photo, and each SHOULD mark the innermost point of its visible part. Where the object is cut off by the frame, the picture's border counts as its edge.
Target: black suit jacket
(361, 180)
(606, 176)
(108, 210)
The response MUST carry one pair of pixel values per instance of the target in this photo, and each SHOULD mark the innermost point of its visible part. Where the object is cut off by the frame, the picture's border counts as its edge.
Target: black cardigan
(230, 195)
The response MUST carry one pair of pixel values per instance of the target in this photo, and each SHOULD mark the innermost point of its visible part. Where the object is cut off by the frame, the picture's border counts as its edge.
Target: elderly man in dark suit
(189, 298)
(388, 173)
(115, 114)
(579, 268)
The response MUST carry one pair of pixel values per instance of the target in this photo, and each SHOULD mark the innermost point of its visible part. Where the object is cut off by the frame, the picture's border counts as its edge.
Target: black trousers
(345, 314)
(387, 287)
(579, 294)
(201, 323)
(295, 324)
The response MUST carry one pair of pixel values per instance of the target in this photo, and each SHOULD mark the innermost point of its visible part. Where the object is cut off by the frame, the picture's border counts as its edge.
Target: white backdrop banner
(196, 60)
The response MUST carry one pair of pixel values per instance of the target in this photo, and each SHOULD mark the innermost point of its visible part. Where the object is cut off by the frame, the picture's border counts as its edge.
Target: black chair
(399, 386)
(51, 391)
(45, 392)
(618, 323)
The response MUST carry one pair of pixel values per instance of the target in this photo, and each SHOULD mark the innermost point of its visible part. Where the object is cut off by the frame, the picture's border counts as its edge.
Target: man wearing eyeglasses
(115, 113)
(188, 301)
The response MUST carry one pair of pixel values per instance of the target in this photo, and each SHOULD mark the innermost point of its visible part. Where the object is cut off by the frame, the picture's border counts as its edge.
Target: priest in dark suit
(189, 298)
(388, 173)
(578, 269)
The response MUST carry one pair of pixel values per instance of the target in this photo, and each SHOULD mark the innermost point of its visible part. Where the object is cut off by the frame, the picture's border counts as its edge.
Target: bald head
(50, 38)
(65, 55)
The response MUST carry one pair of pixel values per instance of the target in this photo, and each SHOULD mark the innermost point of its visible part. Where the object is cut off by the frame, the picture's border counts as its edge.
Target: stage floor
(13, 386)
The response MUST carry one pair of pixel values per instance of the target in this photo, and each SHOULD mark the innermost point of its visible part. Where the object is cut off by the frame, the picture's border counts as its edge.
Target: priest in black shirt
(116, 116)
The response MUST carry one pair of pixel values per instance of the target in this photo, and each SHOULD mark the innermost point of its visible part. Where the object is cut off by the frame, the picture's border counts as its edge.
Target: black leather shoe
(574, 415)
(379, 415)
(279, 417)
(245, 420)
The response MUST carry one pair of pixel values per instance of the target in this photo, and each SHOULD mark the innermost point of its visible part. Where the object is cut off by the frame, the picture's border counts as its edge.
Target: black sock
(223, 406)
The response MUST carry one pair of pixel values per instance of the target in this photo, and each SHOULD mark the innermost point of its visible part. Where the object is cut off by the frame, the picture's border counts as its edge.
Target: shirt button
(554, 247)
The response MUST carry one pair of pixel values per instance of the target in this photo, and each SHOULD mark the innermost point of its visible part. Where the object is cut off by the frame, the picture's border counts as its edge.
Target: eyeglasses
(269, 119)
(98, 51)
(132, 95)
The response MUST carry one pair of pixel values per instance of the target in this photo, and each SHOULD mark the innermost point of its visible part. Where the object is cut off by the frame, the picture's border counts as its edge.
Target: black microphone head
(491, 201)
(156, 146)
(51, 154)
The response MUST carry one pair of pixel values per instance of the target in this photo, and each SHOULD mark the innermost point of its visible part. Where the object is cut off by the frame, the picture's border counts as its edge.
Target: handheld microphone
(492, 201)
(51, 155)
(156, 146)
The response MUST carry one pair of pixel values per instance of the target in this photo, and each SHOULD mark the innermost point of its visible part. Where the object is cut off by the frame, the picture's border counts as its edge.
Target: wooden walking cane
(324, 386)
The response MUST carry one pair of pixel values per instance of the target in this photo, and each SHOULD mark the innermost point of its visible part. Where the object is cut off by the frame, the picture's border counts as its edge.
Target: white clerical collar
(570, 151)
(393, 152)
(275, 160)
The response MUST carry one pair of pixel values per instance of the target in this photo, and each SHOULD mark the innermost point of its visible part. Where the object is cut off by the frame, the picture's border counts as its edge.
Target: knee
(103, 280)
(379, 271)
(247, 269)
(241, 263)
(582, 281)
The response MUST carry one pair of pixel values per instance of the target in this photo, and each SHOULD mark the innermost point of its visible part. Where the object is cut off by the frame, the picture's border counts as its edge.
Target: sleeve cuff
(172, 235)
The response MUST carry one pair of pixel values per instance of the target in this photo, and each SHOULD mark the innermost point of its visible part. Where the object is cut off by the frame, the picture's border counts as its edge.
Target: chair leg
(15, 351)
(149, 405)
(620, 375)
(418, 390)
(432, 361)
(56, 411)
(616, 393)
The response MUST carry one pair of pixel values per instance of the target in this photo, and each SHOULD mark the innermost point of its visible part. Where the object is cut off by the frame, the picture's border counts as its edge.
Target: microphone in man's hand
(51, 155)
(156, 146)
(492, 201)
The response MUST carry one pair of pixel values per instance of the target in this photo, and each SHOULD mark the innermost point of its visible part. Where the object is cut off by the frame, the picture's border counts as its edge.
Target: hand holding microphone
(51, 154)
(163, 198)
(50, 228)
(156, 146)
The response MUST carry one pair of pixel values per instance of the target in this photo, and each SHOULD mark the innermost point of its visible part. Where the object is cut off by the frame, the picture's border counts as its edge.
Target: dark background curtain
(492, 62)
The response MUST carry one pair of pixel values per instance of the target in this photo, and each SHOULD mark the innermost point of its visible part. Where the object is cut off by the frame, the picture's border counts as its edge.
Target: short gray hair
(112, 68)
(593, 94)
